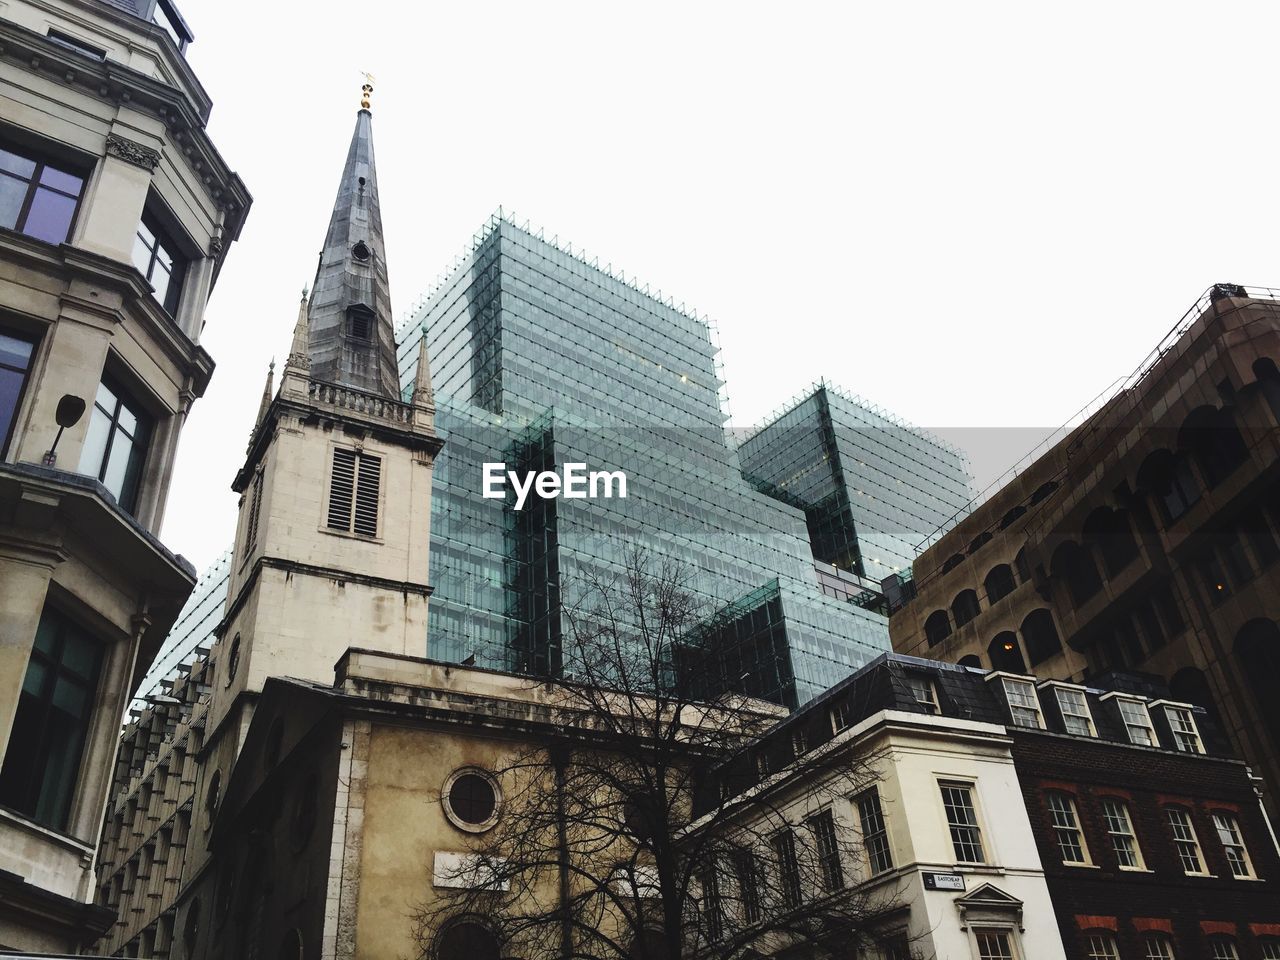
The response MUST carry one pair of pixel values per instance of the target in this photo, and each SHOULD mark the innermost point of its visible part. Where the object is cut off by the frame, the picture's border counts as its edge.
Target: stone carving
(130, 151)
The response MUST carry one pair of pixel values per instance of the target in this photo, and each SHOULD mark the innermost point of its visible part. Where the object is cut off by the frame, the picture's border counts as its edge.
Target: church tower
(332, 541)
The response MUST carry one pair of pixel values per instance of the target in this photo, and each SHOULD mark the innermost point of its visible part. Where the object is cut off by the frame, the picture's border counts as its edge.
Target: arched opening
(1211, 437)
(1108, 531)
(1041, 636)
(999, 583)
(1168, 478)
(964, 607)
(1190, 685)
(937, 628)
(1074, 564)
(979, 542)
(1005, 654)
(952, 562)
(1043, 491)
(1257, 651)
(970, 660)
(1264, 368)
(1023, 567)
(466, 940)
(1008, 519)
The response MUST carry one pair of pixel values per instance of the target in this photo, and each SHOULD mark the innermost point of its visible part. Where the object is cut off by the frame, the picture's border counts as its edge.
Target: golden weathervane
(366, 91)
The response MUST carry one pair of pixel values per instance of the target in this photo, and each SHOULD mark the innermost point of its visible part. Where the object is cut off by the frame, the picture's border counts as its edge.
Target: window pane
(95, 444)
(12, 193)
(49, 218)
(160, 277)
(142, 244)
(10, 390)
(13, 163)
(15, 352)
(59, 180)
(117, 464)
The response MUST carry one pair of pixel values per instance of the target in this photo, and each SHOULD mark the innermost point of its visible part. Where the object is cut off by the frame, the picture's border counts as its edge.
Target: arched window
(937, 628)
(964, 607)
(970, 660)
(1223, 948)
(466, 940)
(1264, 368)
(999, 583)
(1040, 636)
(1168, 478)
(1214, 442)
(1004, 653)
(1158, 947)
(1074, 564)
(1108, 531)
(1257, 651)
(952, 562)
(1043, 491)
(1014, 513)
(979, 542)
(1100, 945)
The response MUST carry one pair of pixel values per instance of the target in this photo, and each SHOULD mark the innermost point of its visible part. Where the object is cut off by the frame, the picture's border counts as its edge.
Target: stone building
(1145, 540)
(116, 211)
(328, 550)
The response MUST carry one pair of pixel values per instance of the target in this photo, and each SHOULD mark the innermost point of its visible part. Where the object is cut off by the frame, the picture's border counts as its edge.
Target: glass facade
(541, 359)
(872, 488)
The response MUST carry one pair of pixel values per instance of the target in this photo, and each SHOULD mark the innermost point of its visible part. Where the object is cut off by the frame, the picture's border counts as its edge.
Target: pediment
(989, 895)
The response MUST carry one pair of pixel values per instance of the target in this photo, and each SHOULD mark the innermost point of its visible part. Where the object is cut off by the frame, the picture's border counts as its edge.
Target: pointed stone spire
(351, 339)
(299, 358)
(268, 392)
(423, 393)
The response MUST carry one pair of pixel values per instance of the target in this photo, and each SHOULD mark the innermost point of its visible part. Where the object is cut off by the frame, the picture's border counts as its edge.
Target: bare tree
(649, 825)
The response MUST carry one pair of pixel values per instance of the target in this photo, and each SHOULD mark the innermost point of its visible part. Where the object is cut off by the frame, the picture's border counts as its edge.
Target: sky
(977, 216)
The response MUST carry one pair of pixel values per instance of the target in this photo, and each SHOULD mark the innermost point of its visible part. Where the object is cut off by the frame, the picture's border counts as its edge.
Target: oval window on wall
(471, 799)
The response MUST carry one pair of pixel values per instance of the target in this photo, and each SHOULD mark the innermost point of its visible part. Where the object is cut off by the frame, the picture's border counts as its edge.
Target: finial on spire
(267, 392)
(366, 91)
(300, 353)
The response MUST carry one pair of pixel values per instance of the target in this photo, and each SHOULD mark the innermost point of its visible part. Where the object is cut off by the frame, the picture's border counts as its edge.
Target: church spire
(351, 340)
(299, 358)
(423, 393)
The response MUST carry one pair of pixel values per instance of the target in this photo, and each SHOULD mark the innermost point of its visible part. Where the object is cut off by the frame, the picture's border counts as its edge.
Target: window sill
(1134, 870)
(1250, 879)
(348, 535)
(1082, 866)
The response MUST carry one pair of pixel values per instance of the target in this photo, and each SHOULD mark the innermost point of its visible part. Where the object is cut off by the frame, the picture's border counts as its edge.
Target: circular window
(191, 928)
(211, 797)
(471, 799)
(361, 251)
(233, 660)
(466, 940)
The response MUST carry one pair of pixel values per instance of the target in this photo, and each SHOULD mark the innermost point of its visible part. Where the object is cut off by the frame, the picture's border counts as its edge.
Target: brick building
(1145, 539)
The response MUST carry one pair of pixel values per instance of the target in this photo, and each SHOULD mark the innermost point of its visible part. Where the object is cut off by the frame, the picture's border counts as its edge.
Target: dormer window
(1186, 736)
(360, 321)
(799, 743)
(1024, 705)
(1137, 721)
(840, 717)
(924, 692)
(1074, 707)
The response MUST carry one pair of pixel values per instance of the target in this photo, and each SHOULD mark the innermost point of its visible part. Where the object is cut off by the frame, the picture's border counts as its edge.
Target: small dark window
(79, 46)
(953, 561)
(1040, 636)
(37, 198)
(937, 628)
(233, 660)
(467, 940)
(964, 607)
(1005, 653)
(116, 444)
(361, 251)
(1008, 519)
(1074, 564)
(157, 258)
(970, 660)
(1043, 491)
(472, 798)
(360, 321)
(353, 492)
(979, 542)
(999, 583)
(211, 798)
(55, 708)
(255, 508)
(15, 363)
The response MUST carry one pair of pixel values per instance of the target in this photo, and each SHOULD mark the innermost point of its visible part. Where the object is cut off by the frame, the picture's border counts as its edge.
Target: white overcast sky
(976, 215)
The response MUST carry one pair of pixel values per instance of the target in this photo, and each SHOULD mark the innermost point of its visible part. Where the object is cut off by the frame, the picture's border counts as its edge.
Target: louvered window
(353, 492)
(255, 505)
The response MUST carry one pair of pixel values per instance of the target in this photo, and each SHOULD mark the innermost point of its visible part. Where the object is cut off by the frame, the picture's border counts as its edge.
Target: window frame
(841, 717)
(1192, 841)
(165, 240)
(788, 865)
(1019, 680)
(1232, 951)
(1172, 710)
(978, 930)
(1059, 688)
(1070, 810)
(970, 789)
(927, 685)
(1107, 940)
(876, 844)
(43, 158)
(1108, 821)
(358, 458)
(1120, 700)
(826, 846)
(1164, 946)
(1237, 842)
(145, 427)
(7, 432)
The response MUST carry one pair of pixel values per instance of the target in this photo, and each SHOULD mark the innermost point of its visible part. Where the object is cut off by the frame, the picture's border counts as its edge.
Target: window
(1137, 722)
(922, 689)
(55, 708)
(1184, 840)
(875, 838)
(157, 258)
(965, 607)
(1270, 949)
(937, 628)
(712, 905)
(1233, 845)
(76, 44)
(353, 492)
(1124, 842)
(784, 849)
(747, 868)
(255, 507)
(840, 716)
(360, 322)
(994, 945)
(1223, 948)
(999, 583)
(1024, 706)
(116, 444)
(211, 798)
(37, 198)
(1101, 946)
(1075, 711)
(962, 820)
(1158, 947)
(823, 826)
(1066, 828)
(800, 742)
(471, 799)
(15, 361)
(1185, 735)
(467, 940)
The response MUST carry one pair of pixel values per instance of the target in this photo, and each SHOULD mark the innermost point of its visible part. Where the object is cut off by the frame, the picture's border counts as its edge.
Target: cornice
(114, 82)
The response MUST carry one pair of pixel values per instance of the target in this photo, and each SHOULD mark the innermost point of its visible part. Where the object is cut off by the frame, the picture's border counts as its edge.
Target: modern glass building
(873, 488)
(540, 359)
